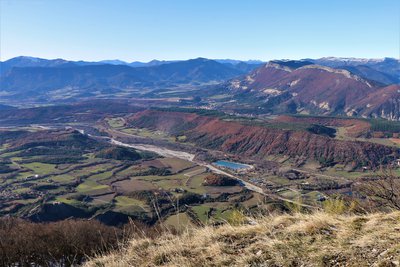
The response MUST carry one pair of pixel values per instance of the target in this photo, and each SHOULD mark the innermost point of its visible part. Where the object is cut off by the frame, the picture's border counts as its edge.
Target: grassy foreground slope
(318, 239)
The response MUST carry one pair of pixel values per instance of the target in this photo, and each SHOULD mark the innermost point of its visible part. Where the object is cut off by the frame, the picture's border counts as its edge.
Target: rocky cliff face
(294, 86)
(384, 103)
(259, 142)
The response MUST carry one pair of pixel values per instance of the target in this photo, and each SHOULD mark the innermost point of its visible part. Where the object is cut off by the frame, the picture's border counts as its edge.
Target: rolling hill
(252, 140)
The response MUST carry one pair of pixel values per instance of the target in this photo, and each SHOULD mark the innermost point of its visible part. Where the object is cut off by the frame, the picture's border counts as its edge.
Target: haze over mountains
(340, 86)
(24, 77)
(385, 70)
(26, 61)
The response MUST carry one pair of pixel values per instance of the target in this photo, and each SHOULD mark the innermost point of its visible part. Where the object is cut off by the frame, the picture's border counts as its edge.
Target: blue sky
(180, 29)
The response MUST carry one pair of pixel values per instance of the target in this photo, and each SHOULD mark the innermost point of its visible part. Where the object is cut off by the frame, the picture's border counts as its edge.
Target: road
(191, 157)
(165, 152)
(317, 173)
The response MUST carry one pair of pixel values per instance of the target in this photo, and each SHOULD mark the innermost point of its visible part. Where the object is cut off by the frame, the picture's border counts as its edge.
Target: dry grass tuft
(318, 239)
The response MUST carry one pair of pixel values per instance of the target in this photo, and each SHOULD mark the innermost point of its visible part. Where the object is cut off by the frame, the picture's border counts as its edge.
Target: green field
(180, 221)
(40, 168)
(99, 183)
(128, 204)
(115, 122)
(201, 212)
(89, 186)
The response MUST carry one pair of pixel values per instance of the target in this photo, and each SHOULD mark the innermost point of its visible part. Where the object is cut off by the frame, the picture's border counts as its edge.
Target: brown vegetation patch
(133, 184)
(395, 140)
(317, 239)
(62, 243)
(217, 190)
(156, 163)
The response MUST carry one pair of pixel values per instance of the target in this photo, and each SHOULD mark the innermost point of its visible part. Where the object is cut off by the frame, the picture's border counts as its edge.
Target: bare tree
(383, 190)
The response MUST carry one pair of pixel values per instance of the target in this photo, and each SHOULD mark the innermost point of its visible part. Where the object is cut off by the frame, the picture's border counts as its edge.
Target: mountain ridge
(326, 86)
(27, 61)
(301, 86)
(106, 78)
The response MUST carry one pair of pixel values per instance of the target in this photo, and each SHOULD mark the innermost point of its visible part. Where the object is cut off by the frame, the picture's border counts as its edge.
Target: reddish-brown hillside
(384, 103)
(312, 87)
(259, 141)
(355, 127)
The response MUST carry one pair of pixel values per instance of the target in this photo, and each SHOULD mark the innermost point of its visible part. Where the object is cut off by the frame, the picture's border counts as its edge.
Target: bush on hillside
(118, 153)
(219, 180)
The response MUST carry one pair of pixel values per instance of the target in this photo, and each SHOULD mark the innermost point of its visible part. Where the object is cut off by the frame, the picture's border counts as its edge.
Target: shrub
(295, 206)
(334, 205)
(190, 198)
(236, 218)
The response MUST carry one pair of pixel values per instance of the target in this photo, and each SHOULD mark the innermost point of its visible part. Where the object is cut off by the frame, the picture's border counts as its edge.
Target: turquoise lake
(231, 165)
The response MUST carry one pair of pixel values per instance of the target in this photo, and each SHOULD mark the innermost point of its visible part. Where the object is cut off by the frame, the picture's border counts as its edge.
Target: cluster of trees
(201, 112)
(385, 126)
(322, 130)
(63, 243)
(323, 186)
(214, 179)
(68, 150)
(119, 153)
(154, 171)
(5, 167)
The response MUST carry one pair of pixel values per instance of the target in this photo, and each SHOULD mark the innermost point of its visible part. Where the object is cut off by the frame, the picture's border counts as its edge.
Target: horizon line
(155, 59)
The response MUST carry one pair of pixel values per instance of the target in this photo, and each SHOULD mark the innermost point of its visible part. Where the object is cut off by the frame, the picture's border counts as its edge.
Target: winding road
(186, 156)
(166, 152)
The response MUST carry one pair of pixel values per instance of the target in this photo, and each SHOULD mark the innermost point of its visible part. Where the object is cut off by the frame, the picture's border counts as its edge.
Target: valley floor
(318, 239)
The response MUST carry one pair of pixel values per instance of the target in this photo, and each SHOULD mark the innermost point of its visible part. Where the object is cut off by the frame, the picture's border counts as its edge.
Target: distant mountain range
(345, 86)
(6, 107)
(25, 61)
(42, 79)
(386, 70)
